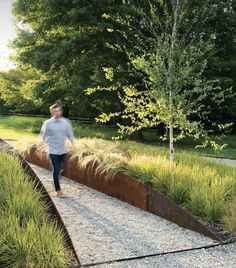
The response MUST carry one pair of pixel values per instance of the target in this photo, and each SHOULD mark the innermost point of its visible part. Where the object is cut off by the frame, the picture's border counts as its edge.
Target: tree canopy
(85, 53)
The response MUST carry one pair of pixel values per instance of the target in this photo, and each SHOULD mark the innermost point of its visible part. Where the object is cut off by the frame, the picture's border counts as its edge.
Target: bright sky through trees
(7, 33)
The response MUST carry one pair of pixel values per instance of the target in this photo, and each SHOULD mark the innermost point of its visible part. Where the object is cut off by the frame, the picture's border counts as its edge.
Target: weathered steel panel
(120, 186)
(162, 206)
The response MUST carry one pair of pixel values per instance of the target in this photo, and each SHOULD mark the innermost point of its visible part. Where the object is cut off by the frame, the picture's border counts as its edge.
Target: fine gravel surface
(104, 228)
(220, 256)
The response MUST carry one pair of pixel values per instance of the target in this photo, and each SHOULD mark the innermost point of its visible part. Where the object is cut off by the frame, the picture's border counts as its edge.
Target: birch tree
(170, 55)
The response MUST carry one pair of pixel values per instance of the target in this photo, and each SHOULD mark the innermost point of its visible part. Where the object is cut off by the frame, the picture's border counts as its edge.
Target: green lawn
(16, 127)
(188, 144)
(21, 127)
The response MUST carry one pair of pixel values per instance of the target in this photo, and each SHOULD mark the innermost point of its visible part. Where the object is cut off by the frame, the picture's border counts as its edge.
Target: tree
(16, 89)
(222, 26)
(171, 59)
(70, 43)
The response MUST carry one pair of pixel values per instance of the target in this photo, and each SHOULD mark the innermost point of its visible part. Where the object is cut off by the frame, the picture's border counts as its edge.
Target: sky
(7, 33)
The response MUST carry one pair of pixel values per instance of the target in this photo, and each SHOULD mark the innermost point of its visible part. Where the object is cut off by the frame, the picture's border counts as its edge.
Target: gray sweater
(54, 132)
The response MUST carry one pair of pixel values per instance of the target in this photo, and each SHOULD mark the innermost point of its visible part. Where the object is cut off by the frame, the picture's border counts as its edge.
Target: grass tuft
(27, 237)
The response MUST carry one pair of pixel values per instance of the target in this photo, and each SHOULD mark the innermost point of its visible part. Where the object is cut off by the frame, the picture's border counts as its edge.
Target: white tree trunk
(176, 9)
(171, 145)
(171, 130)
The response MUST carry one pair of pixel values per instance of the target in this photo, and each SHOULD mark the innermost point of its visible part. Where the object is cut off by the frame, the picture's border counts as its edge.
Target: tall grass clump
(163, 175)
(105, 154)
(200, 185)
(24, 146)
(202, 189)
(27, 237)
(230, 217)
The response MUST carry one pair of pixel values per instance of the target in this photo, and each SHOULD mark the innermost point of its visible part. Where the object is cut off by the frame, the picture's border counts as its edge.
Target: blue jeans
(57, 160)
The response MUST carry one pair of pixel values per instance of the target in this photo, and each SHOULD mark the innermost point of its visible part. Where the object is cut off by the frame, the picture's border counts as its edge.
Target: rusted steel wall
(126, 189)
(120, 186)
(162, 206)
(74, 171)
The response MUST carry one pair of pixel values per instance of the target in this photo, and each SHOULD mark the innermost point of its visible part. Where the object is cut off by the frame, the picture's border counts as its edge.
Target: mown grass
(21, 127)
(189, 144)
(16, 127)
(202, 186)
(27, 237)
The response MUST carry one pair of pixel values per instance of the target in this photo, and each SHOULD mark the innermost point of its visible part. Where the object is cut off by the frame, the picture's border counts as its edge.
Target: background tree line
(87, 54)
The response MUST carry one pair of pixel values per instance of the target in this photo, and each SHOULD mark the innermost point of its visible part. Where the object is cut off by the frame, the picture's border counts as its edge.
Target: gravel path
(104, 228)
(230, 162)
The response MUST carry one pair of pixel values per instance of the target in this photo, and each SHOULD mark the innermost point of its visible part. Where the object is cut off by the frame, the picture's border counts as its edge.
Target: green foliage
(70, 44)
(171, 65)
(16, 89)
(222, 64)
(58, 61)
(79, 45)
(37, 125)
(27, 237)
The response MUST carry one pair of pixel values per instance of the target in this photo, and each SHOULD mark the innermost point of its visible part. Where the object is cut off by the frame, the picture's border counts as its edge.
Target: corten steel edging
(46, 197)
(121, 186)
(162, 206)
(129, 190)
